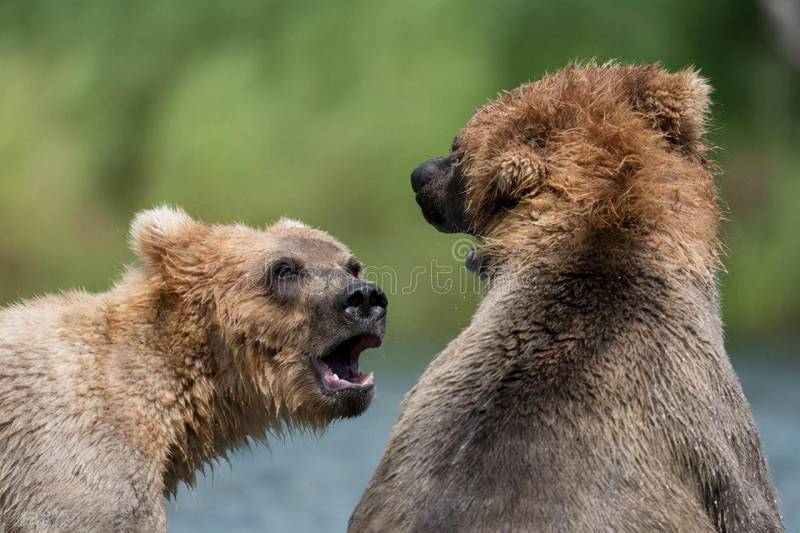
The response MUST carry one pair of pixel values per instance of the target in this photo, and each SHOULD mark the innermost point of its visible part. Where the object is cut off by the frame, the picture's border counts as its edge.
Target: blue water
(306, 483)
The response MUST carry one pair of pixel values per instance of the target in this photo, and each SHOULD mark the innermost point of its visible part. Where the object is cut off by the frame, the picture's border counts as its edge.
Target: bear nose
(427, 171)
(362, 301)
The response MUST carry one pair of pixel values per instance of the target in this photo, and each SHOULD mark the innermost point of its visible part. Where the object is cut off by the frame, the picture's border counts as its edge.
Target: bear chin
(345, 388)
(352, 402)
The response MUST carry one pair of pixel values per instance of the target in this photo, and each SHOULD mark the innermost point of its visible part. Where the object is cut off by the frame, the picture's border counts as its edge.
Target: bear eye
(284, 270)
(354, 267)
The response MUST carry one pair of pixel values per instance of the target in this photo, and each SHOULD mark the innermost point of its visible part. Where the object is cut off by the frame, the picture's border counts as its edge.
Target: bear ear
(521, 169)
(508, 177)
(676, 104)
(155, 231)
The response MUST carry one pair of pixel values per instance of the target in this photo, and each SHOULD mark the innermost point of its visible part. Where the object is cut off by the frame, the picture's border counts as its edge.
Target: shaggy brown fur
(577, 147)
(108, 401)
(591, 392)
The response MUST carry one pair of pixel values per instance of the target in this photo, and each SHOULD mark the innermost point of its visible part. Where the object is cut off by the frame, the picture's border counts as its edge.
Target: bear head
(279, 314)
(606, 153)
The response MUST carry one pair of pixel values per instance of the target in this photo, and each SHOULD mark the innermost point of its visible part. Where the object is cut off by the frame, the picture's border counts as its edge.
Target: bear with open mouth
(591, 391)
(221, 334)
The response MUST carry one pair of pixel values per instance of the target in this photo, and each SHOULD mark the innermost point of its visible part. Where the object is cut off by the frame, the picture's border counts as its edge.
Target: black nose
(427, 171)
(363, 301)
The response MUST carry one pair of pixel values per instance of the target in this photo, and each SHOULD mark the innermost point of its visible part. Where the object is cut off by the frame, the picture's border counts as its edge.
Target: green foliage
(250, 110)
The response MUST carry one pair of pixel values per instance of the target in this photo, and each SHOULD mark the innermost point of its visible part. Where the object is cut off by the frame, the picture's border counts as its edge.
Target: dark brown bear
(592, 391)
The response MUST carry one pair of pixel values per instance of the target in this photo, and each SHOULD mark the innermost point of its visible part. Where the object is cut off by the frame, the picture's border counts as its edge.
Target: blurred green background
(248, 111)
(252, 110)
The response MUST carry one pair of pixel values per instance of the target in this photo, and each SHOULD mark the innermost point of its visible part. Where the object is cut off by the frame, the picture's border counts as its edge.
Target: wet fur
(108, 401)
(591, 391)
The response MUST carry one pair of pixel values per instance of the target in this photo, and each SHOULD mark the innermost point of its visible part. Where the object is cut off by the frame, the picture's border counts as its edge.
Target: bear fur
(591, 390)
(108, 401)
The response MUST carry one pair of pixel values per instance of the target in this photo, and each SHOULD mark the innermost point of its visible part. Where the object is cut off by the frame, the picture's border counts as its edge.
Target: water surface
(312, 484)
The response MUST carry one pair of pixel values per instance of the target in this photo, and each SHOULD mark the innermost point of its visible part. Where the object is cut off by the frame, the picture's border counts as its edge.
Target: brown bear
(224, 333)
(591, 391)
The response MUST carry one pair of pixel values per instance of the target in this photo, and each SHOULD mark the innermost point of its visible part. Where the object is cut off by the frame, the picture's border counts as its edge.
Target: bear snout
(439, 188)
(362, 302)
(428, 170)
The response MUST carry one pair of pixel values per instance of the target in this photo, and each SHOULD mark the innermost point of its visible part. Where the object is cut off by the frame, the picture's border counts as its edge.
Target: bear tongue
(334, 382)
(340, 369)
(337, 372)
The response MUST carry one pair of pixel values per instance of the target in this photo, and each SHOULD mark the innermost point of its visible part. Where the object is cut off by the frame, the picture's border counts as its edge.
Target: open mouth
(339, 369)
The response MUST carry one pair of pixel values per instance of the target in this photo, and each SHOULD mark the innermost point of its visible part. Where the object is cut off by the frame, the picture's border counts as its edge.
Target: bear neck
(199, 405)
(581, 301)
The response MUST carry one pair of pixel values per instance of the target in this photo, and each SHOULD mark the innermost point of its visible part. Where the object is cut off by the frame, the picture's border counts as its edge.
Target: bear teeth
(339, 369)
